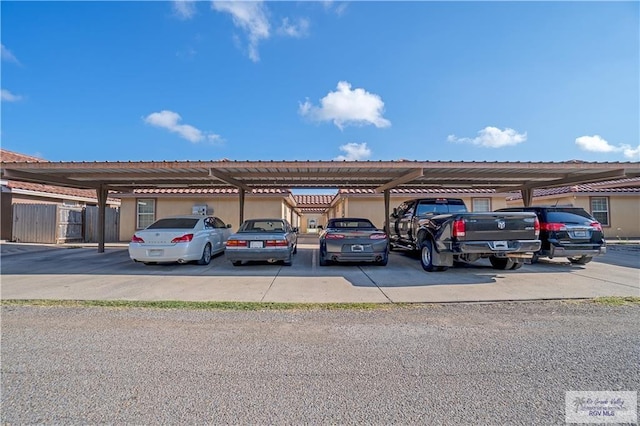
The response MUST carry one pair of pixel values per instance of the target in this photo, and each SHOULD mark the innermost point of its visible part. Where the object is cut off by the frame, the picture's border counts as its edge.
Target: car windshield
(440, 208)
(351, 224)
(174, 223)
(262, 226)
(569, 216)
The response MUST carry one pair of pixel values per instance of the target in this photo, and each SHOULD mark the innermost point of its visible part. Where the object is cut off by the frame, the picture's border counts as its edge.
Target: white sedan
(180, 239)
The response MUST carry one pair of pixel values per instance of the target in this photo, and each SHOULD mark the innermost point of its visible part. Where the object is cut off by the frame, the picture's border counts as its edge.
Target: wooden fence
(56, 224)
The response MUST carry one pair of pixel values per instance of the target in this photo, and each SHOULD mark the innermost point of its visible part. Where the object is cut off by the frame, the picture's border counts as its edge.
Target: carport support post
(102, 207)
(527, 196)
(386, 211)
(241, 194)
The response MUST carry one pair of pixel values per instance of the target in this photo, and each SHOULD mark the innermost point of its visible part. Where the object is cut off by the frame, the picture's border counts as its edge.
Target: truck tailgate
(499, 226)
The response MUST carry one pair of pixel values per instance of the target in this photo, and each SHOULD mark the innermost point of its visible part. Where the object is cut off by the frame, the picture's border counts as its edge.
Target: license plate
(500, 245)
(255, 244)
(580, 233)
(155, 252)
(357, 247)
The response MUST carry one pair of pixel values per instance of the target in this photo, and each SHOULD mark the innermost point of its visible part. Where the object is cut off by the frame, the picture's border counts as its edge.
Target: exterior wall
(372, 206)
(226, 208)
(624, 216)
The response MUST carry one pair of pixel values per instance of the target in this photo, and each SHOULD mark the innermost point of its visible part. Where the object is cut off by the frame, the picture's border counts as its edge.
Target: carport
(381, 176)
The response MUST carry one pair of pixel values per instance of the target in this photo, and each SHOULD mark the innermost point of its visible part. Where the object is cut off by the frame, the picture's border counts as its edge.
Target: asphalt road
(470, 364)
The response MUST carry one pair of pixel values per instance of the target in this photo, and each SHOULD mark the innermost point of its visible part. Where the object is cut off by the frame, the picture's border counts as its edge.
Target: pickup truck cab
(444, 232)
(566, 231)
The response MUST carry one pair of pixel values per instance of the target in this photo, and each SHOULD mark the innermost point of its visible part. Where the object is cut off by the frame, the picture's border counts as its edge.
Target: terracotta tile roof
(313, 200)
(420, 191)
(613, 186)
(215, 191)
(14, 156)
(53, 190)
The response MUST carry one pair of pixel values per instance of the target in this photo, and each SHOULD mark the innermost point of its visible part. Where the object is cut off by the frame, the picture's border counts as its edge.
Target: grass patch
(210, 306)
(617, 301)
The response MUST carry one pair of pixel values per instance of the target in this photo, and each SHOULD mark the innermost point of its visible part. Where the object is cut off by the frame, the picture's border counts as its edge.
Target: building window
(481, 204)
(146, 213)
(600, 210)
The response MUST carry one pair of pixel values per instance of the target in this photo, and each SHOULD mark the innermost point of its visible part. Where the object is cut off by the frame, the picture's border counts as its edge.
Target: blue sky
(454, 81)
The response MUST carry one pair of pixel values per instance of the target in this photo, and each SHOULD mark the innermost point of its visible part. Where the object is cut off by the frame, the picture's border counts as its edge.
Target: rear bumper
(556, 251)
(355, 252)
(263, 254)
(174, 253)
(354, 257)
(497, 247)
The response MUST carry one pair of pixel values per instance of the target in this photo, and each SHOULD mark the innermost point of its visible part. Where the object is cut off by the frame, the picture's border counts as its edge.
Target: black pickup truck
(444, 232)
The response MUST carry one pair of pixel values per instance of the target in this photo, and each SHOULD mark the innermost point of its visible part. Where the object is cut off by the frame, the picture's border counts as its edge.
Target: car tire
(295, 249)
(236, 262)
(580, 260)
(384, 260)
(535, 258)
(501, 262)
(149, 263)
(426, 256)
(516, 265)
(206, 255)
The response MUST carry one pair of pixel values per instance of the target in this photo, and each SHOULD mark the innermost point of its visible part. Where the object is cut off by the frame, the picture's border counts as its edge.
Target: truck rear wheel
(426, 256)
(580, 260)
(501, 262)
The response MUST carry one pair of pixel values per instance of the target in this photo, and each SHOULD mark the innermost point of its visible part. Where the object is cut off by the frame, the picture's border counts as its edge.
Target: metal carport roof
(378, 175)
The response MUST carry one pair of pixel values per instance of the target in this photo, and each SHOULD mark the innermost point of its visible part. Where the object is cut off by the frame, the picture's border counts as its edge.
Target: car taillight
(276, 243)
(596, 225)
(334, 236)
(552, 227)
(184, 239)
(536, 227)
(378, 236)
(136, 239)
(236, 243)
(459, 228)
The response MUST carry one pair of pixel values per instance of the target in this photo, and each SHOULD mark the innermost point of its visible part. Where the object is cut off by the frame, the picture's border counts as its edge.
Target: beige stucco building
(141, 207)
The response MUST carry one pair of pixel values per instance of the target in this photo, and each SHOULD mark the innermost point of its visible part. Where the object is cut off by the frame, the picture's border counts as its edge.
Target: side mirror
(228, 225)
(395, 212)
(295, 229)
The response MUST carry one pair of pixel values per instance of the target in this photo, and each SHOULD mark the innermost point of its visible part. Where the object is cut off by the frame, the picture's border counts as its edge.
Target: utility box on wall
(199, 209)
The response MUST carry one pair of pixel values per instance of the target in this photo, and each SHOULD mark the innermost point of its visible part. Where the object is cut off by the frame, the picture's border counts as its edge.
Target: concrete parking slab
(82, 273)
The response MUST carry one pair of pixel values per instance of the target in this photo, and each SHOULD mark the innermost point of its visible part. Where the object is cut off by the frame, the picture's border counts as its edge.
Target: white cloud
(169, 120)
(354, 152)
(596, 143)
(251, 17)
(492, 137)
(7, 96)
(299, 29)
(7, 55)
(347, 107)
(184, 9)
(338, 9)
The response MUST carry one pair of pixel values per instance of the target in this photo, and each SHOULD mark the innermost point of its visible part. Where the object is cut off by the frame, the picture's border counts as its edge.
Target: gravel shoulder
(507, 363)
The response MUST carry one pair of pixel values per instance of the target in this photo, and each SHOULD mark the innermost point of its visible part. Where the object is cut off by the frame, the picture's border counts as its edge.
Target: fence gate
(69, 224)
(111, 221)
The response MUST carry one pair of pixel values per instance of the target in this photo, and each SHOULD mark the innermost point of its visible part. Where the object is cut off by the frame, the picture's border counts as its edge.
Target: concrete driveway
(81, 273)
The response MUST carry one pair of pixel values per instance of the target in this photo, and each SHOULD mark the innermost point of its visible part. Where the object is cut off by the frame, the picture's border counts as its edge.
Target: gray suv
(566, 231)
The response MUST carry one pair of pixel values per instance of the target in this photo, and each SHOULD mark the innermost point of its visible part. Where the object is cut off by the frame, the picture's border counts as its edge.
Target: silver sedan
(270, 240)
(353, 240)
(180, 239)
